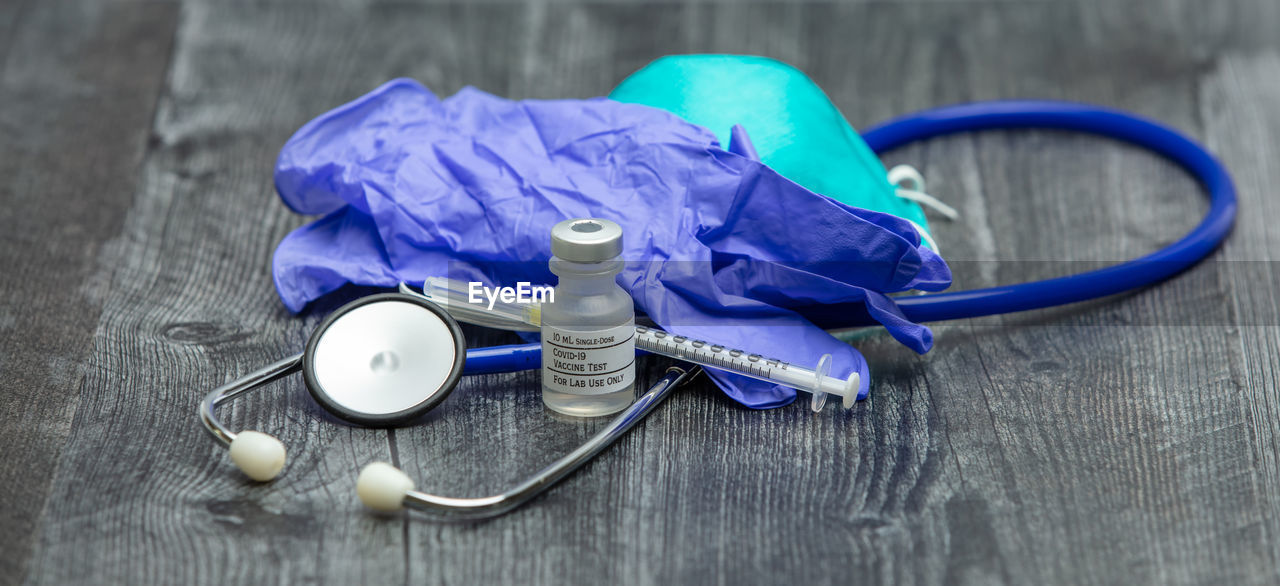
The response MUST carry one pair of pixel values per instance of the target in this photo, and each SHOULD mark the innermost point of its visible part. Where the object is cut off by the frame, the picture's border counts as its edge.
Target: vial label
(588, 363)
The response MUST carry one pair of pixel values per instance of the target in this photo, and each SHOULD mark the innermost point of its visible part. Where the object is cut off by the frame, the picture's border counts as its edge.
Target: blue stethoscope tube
(1133, 274)
(511, 358)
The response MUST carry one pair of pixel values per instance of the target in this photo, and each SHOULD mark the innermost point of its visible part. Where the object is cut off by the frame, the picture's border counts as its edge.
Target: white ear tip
(259, 455)
(382, 486)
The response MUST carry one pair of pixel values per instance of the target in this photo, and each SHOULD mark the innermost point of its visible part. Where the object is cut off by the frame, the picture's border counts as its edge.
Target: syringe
(454, 298)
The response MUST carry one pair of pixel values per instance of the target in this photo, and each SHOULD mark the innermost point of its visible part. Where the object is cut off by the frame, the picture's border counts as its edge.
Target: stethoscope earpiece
(260, 456)
(382, 487)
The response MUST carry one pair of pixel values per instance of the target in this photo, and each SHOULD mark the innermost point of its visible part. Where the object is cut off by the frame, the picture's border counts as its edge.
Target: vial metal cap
(586, 240)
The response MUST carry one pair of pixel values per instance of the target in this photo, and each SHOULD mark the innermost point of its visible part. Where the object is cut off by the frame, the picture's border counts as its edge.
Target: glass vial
(588, 328)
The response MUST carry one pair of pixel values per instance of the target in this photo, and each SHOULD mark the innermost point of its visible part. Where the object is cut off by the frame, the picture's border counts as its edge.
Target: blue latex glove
(468, 187)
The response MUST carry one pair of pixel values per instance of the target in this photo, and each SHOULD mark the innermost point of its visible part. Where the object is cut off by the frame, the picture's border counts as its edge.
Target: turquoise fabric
(794, 127)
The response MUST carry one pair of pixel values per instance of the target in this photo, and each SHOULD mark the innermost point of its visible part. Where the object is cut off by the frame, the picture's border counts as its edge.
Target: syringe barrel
(711, 355)
(793, 376)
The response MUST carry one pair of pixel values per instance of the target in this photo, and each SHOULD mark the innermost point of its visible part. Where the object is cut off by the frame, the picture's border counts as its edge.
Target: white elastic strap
(929, 201)
(909, 185)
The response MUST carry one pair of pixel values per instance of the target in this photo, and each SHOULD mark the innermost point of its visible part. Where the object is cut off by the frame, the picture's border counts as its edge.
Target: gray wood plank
(188, 305)
(1125, 440)
(1240, 100)
(78, 85)
(1153, 408)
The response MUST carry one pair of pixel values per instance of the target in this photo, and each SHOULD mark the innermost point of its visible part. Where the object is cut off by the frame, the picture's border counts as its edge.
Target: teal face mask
(794, 127)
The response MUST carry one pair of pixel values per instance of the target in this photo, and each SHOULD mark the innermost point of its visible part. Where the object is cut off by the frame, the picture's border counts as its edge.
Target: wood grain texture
(1128, 440)
(78, 86)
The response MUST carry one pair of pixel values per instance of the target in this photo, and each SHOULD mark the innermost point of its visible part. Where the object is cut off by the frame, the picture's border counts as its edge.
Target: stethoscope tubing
(1133, 274)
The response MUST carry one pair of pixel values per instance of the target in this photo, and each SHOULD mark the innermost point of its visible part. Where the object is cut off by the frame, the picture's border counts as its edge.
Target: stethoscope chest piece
(384, 359)
(378, 361)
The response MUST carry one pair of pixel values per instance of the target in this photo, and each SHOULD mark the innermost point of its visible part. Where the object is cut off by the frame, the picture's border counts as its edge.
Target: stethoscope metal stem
(238, 387)
(493, 506)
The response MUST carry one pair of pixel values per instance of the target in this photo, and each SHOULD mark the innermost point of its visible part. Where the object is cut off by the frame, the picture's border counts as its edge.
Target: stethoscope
(386, 359)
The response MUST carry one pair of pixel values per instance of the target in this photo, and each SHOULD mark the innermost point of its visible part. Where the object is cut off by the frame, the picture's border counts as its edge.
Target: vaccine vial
(588, 327)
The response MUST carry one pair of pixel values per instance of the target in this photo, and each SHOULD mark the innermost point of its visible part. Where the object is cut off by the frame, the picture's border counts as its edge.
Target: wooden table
(1131, 439)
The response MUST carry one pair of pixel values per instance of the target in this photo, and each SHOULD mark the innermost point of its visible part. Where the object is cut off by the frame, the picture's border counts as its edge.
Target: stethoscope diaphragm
(383, 360)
